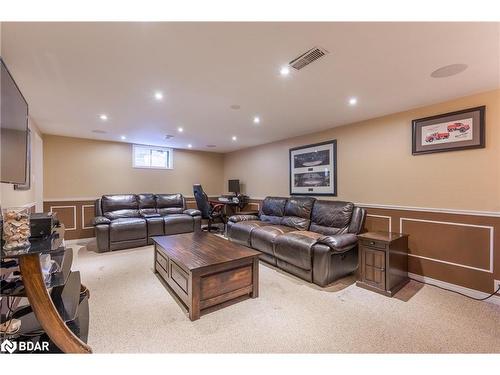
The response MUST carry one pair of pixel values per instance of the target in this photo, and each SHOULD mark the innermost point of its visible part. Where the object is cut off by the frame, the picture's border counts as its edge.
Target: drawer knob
(372, 242)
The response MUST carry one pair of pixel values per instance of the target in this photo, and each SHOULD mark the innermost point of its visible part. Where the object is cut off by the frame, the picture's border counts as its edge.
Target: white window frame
(154, 148)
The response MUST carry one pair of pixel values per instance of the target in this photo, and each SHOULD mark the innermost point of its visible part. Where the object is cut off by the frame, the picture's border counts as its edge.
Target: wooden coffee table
(205, 271)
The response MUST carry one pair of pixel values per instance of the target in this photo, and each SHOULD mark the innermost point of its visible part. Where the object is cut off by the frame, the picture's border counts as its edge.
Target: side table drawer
(374, 243)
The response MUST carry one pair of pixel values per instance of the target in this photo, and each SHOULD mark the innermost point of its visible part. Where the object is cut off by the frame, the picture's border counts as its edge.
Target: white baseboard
(457, 288)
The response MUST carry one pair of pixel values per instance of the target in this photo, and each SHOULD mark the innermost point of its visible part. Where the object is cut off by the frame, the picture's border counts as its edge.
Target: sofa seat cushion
(240, 232)
(296, 248)
(127, 229)
(155, 225)
(263, 238)
(178, 223)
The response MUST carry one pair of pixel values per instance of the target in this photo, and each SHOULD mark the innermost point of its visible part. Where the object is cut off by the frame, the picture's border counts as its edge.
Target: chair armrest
(339, 243)
(145, 216)
(192, 212)
(100, 220)
(238, 218)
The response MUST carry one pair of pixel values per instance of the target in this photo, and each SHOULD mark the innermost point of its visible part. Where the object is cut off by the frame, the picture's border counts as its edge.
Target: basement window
(152, 157)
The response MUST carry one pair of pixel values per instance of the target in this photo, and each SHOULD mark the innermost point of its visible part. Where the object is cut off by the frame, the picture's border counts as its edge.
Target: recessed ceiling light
(285, 70)
(103, 117)
(180, 129)
(99, 131)
(158, 95)
(353, 101)
(256, 120)
(190, 145)
(123, 137)
(448, 70)
(234, 138)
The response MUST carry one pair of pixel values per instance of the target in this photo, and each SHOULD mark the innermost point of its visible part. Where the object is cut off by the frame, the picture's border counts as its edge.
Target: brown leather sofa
(130, 220)
(312, 239)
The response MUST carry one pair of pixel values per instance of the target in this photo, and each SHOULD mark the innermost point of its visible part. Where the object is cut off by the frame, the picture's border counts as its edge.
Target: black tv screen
(14, 129)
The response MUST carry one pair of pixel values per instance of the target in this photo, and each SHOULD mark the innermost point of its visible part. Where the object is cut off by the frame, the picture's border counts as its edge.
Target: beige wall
(16, 198)
(375, 164)
(76, 168)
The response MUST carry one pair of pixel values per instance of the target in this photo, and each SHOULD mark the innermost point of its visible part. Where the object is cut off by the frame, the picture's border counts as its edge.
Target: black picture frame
(475, 116)
(330, 164)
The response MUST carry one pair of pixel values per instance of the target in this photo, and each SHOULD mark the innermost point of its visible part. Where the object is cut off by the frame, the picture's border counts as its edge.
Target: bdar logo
(8, 346)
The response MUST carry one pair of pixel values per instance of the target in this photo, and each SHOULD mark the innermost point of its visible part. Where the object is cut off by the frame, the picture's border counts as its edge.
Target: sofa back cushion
(168, 204)
(331, 217)
(147, 203)
(298, 212)
(119, 206)
(273, 209)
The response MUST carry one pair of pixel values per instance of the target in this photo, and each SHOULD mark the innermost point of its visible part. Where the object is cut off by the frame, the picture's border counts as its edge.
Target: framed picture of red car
(460, 130)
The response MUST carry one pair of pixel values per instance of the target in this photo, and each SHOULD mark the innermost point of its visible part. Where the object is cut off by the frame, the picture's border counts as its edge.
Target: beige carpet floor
(131, 311)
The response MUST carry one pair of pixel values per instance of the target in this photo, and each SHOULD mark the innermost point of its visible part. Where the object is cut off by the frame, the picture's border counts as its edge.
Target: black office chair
(211, 211)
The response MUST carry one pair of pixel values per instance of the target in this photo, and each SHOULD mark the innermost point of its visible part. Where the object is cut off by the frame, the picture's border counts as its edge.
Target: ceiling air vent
(307, 57)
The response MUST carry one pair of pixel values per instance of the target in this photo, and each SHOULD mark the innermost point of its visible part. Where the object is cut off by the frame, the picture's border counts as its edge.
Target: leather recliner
(312, 239)
(130, 220)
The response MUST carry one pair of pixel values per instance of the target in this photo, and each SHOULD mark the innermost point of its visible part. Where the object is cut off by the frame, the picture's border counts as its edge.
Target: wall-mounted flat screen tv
(14, 129)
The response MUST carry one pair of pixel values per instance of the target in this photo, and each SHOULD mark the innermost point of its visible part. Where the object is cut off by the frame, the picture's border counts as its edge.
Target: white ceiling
(72, 72)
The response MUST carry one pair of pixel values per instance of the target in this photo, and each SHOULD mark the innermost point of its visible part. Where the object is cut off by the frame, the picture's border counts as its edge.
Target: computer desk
(232, 208)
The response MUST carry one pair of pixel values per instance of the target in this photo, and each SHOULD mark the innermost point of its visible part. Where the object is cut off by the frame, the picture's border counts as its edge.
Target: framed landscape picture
(452, 131)
(313, 169)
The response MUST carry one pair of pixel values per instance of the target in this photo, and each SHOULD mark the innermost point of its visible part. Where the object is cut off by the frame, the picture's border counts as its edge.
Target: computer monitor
(234, 186)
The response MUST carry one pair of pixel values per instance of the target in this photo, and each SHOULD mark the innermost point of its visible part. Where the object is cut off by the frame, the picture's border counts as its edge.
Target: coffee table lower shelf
(208, 288)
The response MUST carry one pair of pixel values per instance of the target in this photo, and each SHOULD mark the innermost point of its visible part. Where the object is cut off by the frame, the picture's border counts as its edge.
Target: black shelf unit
(65, 291)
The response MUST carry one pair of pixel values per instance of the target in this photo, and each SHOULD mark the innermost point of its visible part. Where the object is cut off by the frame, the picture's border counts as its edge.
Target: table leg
(255, 278)
(194, 295)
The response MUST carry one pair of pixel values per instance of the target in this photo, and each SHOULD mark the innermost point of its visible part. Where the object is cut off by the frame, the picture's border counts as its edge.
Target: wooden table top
(382, 236)
(196, 250)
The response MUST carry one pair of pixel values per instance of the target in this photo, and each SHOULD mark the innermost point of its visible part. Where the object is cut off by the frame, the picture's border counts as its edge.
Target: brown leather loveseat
(130, 220)
(312, 239)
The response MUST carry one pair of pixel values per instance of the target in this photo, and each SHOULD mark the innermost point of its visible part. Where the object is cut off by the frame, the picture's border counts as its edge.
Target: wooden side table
(383, 262)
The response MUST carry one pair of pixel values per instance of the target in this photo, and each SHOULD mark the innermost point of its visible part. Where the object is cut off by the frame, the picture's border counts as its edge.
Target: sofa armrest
(192, 212)
(146, 216)
(339, 243)
(100, 220)
(238, 218)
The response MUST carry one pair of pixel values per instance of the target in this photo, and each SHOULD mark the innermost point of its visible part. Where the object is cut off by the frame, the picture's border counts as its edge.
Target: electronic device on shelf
(42, 224)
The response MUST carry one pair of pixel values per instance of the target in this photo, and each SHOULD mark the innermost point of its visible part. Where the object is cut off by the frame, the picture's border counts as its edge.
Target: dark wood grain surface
(382, 236)
(198, 250)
